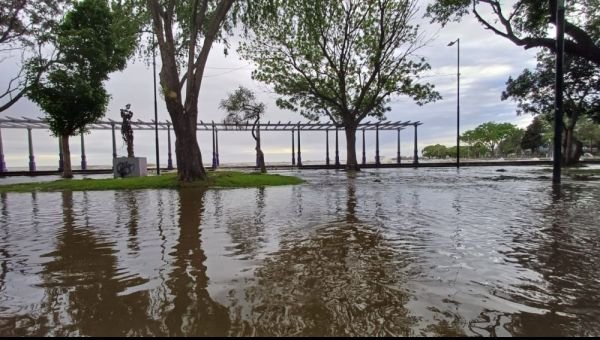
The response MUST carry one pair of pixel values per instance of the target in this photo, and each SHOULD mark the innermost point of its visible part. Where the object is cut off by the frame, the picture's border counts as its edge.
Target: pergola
(294, 128)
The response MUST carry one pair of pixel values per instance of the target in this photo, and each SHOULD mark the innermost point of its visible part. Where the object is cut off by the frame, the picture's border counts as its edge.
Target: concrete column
(214, 150)
(293, 149)
(337, 149)
(170, 160)
(377, 161)
(398, 150)
(217, 145)
(327, 147)
(83, 159)
(114, 141)
(364, 153)
(2, 164)
(416, 155)
(31, 157)
(299, 152)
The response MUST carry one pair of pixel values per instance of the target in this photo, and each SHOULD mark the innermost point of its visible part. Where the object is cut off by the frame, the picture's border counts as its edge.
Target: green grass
(580, 173)
(225, 179)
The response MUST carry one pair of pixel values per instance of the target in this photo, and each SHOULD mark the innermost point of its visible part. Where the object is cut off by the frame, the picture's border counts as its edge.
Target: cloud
(486, 62)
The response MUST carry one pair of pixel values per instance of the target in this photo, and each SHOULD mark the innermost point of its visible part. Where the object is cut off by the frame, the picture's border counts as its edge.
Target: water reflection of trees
(342, 280)
(248, 232)
(564, 251)
(193, 312)
(87, 293)
(4, 254)
(83, 285)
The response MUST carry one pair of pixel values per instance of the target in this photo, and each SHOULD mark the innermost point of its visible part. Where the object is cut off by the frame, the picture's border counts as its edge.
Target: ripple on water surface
(380, 252)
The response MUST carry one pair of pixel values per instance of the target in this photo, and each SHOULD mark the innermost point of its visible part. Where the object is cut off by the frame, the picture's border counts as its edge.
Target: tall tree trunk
(67, 171)
(187, 151)
(572, 148)
(166, 26)
(351, 163)
(260, 156)
(567, 144)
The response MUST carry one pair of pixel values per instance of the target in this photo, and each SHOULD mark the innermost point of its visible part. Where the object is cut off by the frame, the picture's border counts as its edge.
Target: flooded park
(386, 252)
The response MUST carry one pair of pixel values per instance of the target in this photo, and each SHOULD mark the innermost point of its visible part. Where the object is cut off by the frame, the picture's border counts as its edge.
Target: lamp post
(558, 94)
(457, 42)
(155, 105)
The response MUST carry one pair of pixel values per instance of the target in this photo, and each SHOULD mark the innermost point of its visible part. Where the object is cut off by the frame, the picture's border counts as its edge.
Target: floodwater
(382, 252)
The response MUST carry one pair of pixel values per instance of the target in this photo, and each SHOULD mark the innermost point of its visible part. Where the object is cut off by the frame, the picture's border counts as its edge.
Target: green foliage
(588, 132)
(533, 138)
(250, 180)
(511, 144)
(534, 91)
(90, 47)
(25, 27)
(465, 151)
(223, 179)
(435, 151)
(241, 106)
(491, 134)
(340, 59)
(71, 101)
(525, 22)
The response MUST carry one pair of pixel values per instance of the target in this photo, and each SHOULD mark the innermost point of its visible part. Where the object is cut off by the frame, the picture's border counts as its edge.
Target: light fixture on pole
(155, 105)
(457, 42)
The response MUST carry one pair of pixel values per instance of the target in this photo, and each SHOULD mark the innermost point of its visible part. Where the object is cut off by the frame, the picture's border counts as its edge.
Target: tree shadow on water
(342, 279)
(87, 293)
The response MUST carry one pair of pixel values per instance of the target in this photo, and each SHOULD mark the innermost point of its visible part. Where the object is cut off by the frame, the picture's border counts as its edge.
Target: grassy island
(218, 179)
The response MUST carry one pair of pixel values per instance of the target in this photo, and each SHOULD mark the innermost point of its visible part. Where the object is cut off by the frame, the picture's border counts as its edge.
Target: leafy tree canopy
(490, 134)
(534, 90)
(341, 59)
(241, 106)
(24, 30)
(435, 151)
(92, 41)
(525, 23)
(533, 138)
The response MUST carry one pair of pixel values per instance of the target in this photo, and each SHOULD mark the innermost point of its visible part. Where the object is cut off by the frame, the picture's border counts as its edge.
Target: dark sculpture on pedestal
(129, 166)
(126, 130)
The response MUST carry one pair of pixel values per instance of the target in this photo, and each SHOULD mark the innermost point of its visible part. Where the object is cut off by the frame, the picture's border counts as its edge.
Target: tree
(512, 142)
(185, 32)
(24, 26)
(588, 131)
(526, 24)
(490, 134)
(435, 151)
(341, 59)
(534, 93)
(92, 42)
(475, 147)
(241, 106)
(465, 151)
(533, 137)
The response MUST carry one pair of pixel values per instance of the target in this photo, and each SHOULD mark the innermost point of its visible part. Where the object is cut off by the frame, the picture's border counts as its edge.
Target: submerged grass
(579, 172)
(225, 179)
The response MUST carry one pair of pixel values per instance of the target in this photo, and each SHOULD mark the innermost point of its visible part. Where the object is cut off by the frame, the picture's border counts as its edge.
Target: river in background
(382, 252)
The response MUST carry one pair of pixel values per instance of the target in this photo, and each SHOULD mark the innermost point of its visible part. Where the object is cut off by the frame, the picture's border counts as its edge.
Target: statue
(129, 166)
(126, 130)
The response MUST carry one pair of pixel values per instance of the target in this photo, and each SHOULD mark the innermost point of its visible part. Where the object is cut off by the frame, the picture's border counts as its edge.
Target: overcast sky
(486, 63)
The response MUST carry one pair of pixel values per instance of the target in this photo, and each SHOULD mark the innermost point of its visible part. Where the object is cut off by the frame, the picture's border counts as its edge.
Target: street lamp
(457, 42)
(558, 95)
(155, 106)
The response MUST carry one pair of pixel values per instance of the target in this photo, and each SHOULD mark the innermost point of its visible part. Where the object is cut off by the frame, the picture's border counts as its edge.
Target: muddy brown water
(382, 252)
